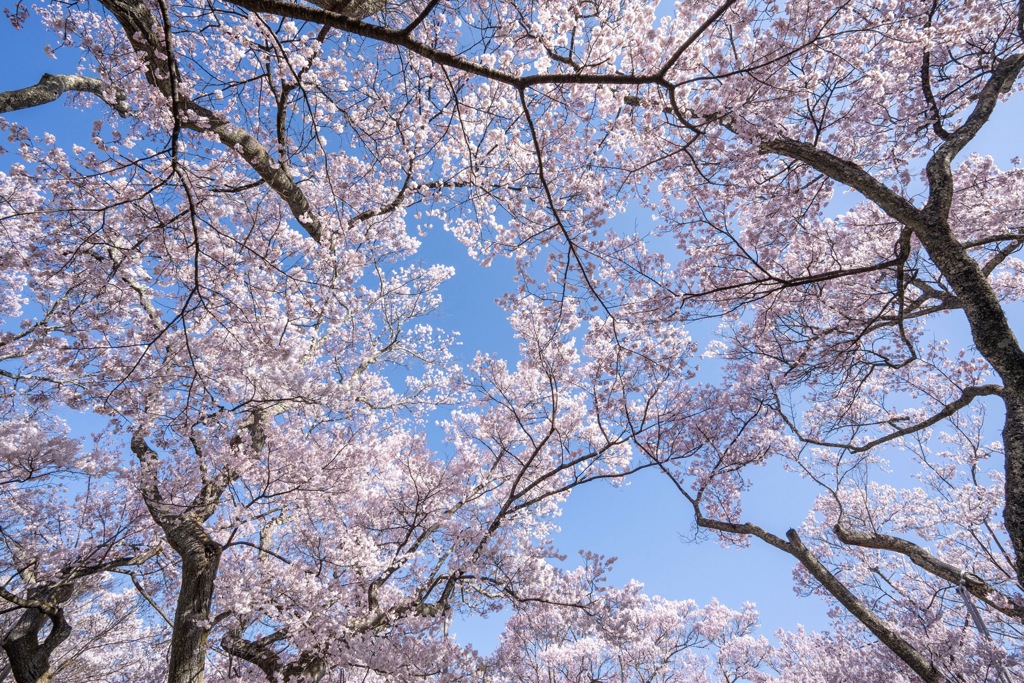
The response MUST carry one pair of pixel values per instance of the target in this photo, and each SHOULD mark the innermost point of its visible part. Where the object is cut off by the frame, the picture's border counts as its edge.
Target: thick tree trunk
(29, 659)
(200, 560)
(995, 340)
(1013, 448)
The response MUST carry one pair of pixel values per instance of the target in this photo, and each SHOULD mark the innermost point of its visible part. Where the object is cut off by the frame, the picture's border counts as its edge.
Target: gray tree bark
(28, 657)
(51, 86)
(200, 559)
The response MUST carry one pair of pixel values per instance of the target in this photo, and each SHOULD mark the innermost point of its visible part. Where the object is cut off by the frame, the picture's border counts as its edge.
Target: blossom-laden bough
(224, 275)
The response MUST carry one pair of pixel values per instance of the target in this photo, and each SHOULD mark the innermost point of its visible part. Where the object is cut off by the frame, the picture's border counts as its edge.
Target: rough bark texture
(996, 341)
(30, 659)
(51, 86)
(307, 668)
(921, 665)
(930, 563)
(200, 560)
(1013, 448)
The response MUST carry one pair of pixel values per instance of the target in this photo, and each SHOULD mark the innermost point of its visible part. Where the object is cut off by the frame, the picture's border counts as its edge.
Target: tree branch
(137, 22)
(966, 397)
(849, 174)
(878, 626)
(925, 560)
(52, 86)
(794, 546)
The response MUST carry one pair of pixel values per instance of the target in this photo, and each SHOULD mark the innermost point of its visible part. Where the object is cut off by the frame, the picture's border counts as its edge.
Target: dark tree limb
(850, 174)
(140, 28)
(307, 668)
(990, 328)
(793, 545)
(910, 655)
(29, 658)
(977, 586)
(200, 561)
(966, 397)
(881, 629)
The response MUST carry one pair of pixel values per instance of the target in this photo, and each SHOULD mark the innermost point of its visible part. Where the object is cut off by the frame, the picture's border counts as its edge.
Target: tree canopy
(294, 479)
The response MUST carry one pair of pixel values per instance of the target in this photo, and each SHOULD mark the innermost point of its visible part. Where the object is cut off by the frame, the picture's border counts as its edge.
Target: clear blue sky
(643, 523)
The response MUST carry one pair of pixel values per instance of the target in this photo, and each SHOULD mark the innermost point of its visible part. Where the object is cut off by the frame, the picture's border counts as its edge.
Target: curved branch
(837, 589)
(977, 586)
(401, 38)
(850, 174)
(52, 86)
(878, 626)
(794, 546)
(940, 178)
(137, 22)
(257, 652)
(45, 606)
(966, 397)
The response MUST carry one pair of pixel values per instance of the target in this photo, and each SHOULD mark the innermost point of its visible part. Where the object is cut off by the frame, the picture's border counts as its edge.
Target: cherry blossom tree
(226, 274)
(827, 342)
(624, 635)
(59, 545)
(267, 388)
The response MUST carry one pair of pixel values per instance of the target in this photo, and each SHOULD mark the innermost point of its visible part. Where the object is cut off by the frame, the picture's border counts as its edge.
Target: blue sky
(644, 523)
(647, 526)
